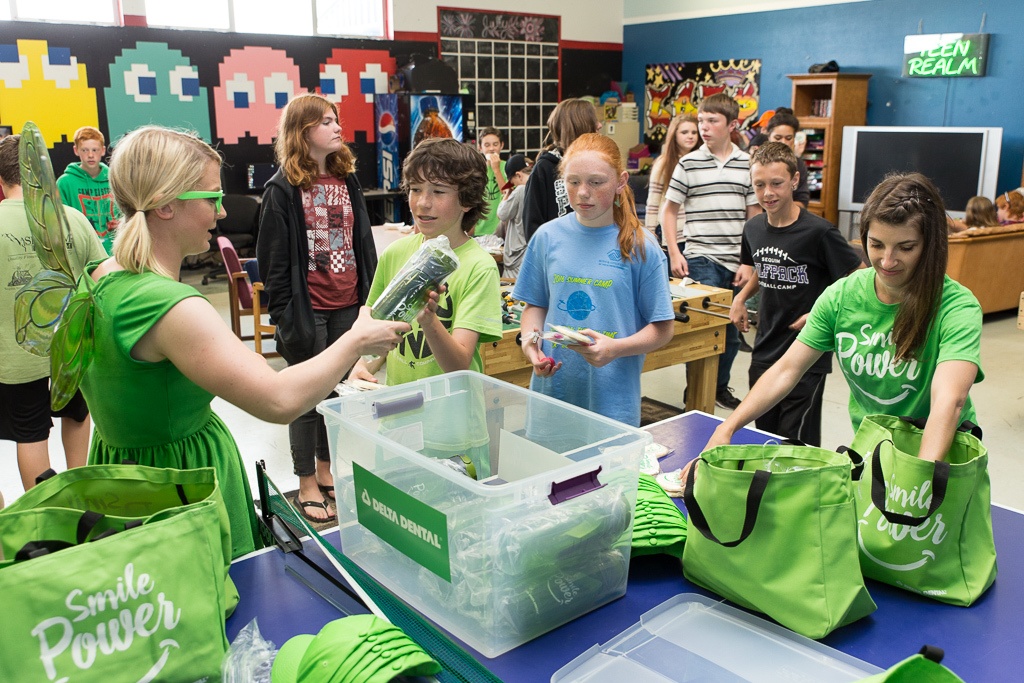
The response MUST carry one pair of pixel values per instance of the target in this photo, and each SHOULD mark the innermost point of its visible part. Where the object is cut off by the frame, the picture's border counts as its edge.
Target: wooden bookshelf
(824, 103)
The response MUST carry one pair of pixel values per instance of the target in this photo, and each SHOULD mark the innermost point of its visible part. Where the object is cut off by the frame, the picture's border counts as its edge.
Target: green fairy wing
(38, 307)
(45, 213)
(50, 317)
(73, 347)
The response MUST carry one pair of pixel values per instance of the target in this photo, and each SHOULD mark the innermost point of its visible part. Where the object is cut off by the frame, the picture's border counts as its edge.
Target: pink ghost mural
(350, 79)
(255, 84)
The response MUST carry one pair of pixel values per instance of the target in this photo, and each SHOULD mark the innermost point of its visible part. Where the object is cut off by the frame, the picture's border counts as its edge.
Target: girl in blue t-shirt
(600, 273)
(907, 337)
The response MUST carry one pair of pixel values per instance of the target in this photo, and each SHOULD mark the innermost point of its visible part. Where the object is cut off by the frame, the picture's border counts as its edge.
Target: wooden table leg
(701, 382)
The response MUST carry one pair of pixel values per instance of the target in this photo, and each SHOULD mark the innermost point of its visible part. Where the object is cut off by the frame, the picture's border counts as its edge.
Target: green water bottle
(557, 595)
(407, 293)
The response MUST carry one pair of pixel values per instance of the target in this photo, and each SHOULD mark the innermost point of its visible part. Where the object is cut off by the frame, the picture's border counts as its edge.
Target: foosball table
(702, 313)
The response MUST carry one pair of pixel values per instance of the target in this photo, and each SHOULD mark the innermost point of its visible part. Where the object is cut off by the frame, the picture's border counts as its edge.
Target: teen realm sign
(945, 55)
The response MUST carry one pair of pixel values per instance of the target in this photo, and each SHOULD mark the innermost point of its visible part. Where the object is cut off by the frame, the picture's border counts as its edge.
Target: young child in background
(490, 145)
(681, 138)
(980, 213)
(599, 271)
(84, 185)
(510, 212)
(795, 256)
(546, 198)
(1010, 207)
(783, 127)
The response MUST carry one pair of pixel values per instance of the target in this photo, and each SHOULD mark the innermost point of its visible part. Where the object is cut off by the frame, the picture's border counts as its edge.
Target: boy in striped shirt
(712, 183)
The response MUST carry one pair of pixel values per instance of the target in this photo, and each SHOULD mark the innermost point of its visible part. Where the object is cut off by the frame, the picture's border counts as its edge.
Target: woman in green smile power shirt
(907, 337)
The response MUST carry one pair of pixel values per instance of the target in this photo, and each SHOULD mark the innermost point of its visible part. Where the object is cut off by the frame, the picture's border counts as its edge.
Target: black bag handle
(758, 485)
(86, 523)
(856, 458)
(46, 474)
(966, 426)
(940, 478)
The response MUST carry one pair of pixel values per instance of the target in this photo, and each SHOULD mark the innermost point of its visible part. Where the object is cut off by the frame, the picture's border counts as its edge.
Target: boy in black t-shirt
(795, 256)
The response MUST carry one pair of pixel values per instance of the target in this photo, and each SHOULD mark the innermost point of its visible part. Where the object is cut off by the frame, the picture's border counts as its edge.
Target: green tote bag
(922, 526)
(924, 667)
(135, 492)
(97, 598)
(777, 534)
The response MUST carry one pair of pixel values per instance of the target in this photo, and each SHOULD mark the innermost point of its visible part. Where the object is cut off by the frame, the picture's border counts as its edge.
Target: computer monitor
(259, 175)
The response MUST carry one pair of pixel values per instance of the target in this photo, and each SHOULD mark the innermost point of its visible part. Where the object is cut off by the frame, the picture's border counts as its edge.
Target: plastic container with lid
(693, 638)
(498, 512)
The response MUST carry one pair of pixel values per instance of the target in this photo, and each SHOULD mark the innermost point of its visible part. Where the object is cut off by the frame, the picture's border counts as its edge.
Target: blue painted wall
(863, 37)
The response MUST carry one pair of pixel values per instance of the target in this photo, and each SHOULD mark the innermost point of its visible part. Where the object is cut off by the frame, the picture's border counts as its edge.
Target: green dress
(150, 412)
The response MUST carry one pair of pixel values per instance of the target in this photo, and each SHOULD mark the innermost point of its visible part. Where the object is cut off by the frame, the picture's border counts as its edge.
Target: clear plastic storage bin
(497, 512)
(693, 638)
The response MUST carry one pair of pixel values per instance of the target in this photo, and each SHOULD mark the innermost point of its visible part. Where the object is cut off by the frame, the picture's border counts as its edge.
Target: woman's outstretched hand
(377, 337)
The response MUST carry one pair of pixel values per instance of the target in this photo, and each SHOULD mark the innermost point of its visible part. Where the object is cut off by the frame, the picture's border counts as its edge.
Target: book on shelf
(821, 109)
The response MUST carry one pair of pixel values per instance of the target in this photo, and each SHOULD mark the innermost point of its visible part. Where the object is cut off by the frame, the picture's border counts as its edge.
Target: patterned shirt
(332, 277)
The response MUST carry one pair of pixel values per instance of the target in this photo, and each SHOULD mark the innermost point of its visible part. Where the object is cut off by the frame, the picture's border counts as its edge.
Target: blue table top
(982, 642)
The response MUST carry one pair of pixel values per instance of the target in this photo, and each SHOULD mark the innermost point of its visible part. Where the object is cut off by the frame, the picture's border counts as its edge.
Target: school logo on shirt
(578, 305)
(776, 269)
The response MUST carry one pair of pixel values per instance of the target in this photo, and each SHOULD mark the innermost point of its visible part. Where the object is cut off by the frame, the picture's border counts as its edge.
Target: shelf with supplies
(824, 103)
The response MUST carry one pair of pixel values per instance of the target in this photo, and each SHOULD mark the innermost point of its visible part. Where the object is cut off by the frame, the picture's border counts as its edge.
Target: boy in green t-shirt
(490, 145)
(84, 185)
(444, 182)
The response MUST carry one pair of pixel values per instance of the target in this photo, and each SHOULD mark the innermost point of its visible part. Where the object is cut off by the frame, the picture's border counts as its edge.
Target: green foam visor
(356, 649)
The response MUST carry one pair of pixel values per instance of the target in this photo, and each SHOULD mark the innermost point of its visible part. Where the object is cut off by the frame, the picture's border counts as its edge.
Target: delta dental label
(410, 526)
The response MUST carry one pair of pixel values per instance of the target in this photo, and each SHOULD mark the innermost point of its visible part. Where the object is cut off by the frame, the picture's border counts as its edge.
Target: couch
(989, 262)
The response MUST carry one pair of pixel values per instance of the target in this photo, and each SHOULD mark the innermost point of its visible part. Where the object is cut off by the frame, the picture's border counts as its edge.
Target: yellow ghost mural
(46, 85)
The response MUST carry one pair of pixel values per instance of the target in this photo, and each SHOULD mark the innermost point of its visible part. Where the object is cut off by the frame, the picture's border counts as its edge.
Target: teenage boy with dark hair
(490, 144)
(84, 185)
(795, 256)
(713, 185)
(25, 415)
(444, 181)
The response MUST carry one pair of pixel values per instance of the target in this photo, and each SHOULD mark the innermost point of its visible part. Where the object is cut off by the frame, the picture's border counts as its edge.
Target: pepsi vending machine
(403, 120)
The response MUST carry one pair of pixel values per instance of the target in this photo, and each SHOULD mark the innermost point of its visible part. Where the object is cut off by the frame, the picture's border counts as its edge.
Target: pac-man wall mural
(47, 85)
(255, 84)
(350, 79)
(153, 84)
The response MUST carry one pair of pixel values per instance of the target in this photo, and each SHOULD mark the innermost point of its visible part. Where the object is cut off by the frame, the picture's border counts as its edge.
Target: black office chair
(240, 227)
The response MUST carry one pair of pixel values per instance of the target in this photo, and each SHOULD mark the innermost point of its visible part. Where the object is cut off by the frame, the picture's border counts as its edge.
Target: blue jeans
(707, 272)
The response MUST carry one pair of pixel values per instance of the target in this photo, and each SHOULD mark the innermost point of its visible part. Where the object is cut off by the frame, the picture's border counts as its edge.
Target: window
(270, 16)
(351, 18)
(197, 14)
(67, 11)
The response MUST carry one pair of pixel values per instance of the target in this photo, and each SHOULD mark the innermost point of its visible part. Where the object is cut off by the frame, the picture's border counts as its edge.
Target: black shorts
(25, 414)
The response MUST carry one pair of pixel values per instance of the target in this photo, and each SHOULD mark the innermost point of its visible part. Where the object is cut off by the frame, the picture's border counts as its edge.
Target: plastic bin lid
(693, 638)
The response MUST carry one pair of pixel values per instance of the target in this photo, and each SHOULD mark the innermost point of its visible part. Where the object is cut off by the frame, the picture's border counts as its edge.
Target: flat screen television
(962, 162)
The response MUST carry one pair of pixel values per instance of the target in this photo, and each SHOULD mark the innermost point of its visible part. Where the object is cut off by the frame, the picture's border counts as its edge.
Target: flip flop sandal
(301, 505)
(327, 491)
